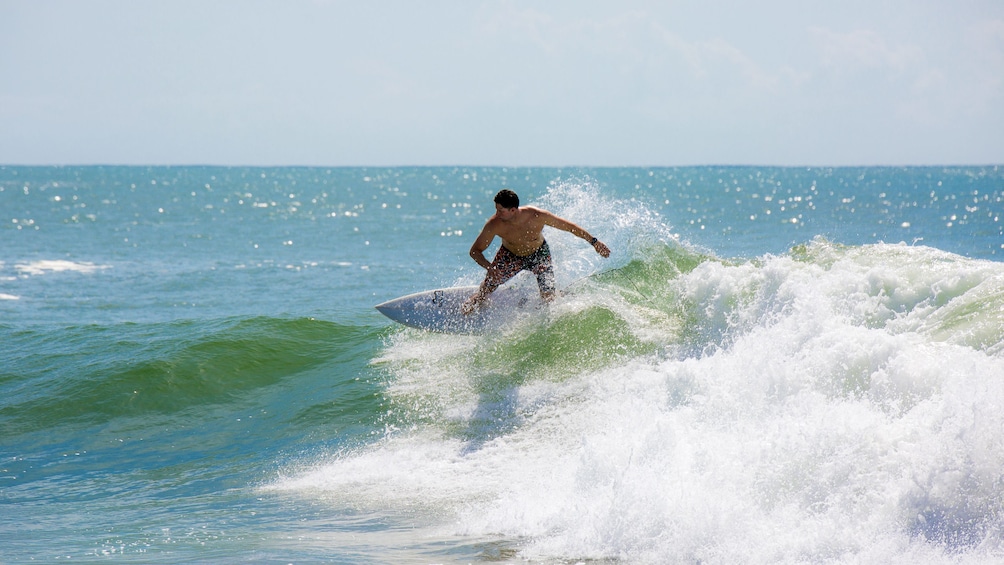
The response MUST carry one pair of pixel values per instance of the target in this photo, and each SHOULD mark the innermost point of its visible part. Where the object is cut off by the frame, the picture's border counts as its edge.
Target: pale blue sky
(564, 83)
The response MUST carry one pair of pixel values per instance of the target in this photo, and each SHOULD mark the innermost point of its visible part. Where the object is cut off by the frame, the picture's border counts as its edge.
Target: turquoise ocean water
(794, 365)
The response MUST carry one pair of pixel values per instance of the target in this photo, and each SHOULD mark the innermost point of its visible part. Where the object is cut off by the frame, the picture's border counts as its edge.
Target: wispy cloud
(864, 49)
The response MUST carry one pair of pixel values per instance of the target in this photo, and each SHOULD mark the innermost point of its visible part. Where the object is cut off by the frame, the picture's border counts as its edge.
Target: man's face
(504, 213)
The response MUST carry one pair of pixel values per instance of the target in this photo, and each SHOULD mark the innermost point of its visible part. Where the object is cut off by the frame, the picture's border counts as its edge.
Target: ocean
(775, 365)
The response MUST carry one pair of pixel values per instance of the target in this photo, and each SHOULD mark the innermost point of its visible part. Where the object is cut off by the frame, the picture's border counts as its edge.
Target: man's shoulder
(539, 215)
(492, 224)
(534, 212)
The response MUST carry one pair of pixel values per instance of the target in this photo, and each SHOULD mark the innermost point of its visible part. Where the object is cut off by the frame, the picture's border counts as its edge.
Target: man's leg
(505, 266)
(544, 269)
(545, 282)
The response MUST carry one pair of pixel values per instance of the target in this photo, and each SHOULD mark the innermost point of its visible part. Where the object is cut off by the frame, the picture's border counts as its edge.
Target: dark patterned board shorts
(509, 265)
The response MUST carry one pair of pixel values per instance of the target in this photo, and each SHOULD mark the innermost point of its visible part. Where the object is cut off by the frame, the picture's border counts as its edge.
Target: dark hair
(507, 199)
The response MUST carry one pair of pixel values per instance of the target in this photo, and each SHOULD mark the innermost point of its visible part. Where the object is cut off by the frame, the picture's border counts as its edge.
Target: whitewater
(801, 409)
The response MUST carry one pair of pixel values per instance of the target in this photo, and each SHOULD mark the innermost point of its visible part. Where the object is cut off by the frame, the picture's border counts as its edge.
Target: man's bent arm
(478, 248)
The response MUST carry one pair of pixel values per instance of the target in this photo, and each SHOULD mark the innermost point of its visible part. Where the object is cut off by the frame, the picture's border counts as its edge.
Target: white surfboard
(439, 310)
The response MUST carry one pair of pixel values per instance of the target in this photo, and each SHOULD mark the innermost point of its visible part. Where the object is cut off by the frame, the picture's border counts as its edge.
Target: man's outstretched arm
(574, 229)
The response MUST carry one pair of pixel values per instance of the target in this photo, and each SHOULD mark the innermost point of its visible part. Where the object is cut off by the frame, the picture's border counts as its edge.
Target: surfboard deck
(439, 310)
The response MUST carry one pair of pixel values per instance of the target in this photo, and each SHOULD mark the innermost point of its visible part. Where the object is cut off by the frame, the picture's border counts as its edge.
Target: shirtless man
(523, 247)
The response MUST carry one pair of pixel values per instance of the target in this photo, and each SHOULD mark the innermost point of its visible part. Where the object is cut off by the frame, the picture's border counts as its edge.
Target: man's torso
(523, 234)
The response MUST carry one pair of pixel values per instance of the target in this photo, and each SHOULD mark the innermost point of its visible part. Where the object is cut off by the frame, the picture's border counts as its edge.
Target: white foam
(44, 266)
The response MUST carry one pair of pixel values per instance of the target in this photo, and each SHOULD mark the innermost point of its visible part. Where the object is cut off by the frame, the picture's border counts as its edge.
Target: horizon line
(476, 166)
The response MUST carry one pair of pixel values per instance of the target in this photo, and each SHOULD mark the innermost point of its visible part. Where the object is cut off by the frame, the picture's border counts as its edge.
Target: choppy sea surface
(776, 365)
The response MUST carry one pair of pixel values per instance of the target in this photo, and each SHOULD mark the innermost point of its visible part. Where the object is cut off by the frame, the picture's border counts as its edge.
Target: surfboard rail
(438, 310)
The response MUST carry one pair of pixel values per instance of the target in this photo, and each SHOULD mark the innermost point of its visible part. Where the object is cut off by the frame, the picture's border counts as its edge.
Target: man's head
(507, 199)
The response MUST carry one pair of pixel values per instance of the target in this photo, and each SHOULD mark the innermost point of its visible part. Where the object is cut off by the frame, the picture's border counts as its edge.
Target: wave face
(834, 403)
(138, 370)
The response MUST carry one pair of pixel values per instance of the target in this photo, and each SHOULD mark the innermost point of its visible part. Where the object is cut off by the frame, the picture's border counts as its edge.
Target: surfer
(523, 247)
